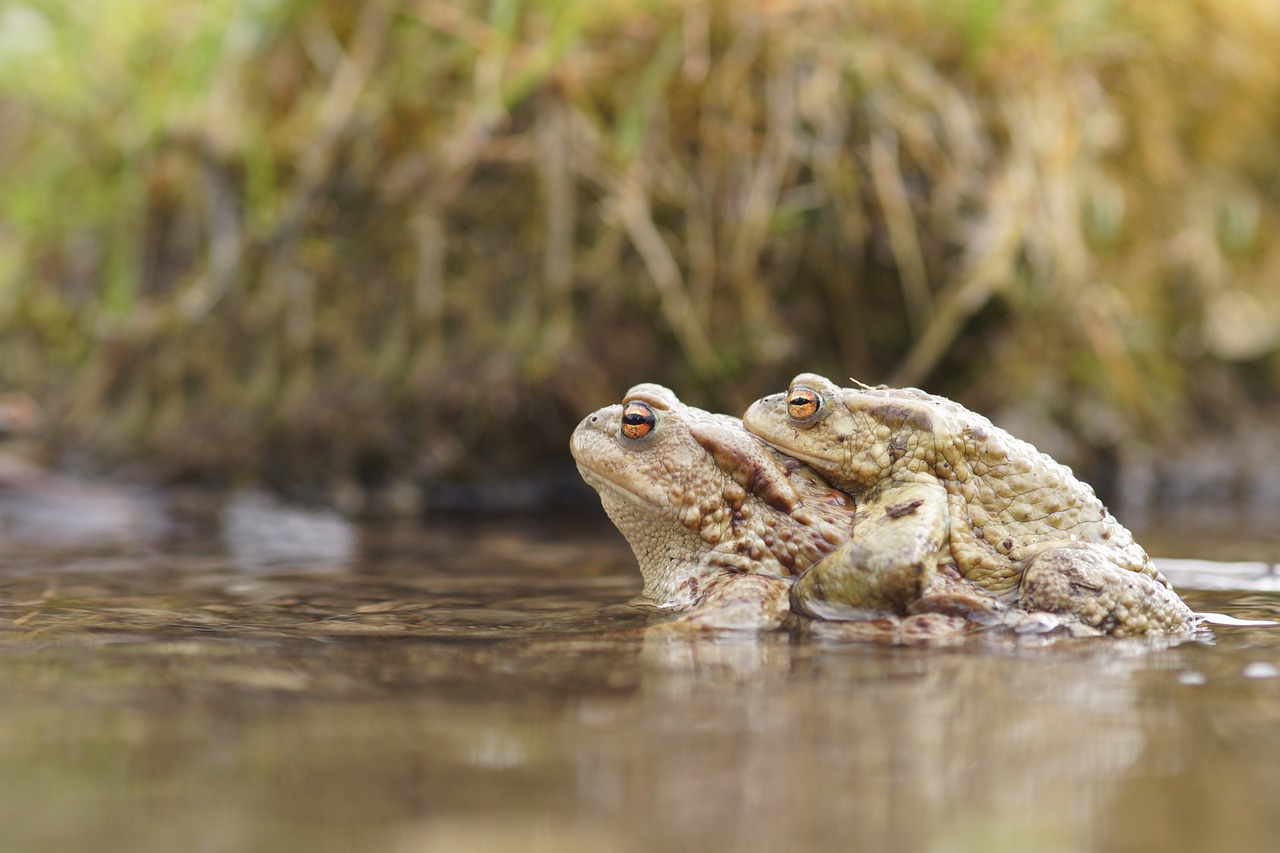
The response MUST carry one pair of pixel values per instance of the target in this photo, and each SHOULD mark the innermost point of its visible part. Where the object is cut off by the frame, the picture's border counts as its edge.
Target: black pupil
(637, 418)
(801, 400)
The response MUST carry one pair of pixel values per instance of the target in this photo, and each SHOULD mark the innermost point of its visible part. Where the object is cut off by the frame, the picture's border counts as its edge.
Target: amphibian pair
(861, 504)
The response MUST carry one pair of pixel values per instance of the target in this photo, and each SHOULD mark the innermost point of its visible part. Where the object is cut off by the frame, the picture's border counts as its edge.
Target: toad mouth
(600, 482)
(814, 462)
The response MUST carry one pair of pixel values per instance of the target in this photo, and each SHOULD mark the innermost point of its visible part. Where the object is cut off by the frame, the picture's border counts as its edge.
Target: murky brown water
(280, 681)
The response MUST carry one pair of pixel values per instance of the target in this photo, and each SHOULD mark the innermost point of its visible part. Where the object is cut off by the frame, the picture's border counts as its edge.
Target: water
(272, 679)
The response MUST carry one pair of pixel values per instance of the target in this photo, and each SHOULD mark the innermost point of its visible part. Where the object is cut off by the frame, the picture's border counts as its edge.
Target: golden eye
(637, 420)
(803, 404)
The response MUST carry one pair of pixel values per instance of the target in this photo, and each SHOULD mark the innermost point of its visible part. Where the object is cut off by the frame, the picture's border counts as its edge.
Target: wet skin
(939, 485)
(722, 525)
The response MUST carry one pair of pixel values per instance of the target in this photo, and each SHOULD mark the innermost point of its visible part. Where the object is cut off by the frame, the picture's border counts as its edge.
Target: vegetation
(316, 243)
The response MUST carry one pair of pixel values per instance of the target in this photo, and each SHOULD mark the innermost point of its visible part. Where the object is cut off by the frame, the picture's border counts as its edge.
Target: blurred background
(387, 254)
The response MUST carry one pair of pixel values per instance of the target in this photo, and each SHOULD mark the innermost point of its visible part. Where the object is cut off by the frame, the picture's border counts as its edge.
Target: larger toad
(937, 484)
(720, 523)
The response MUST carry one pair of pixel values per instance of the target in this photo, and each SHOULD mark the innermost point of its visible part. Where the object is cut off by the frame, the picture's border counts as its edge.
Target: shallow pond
(269, 679)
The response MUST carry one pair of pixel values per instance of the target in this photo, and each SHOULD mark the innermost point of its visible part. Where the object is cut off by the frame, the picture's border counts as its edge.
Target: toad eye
(803, 403)
(637, 420)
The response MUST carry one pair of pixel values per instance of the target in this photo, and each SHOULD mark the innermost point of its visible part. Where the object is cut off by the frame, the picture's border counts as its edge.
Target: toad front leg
(888, 563)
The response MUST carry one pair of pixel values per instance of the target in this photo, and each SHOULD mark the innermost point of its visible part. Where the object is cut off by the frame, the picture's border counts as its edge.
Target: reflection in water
(888, 748)
(478, 685)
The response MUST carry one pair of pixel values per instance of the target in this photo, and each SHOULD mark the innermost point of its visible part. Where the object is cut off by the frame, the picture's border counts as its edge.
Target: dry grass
(335, 242)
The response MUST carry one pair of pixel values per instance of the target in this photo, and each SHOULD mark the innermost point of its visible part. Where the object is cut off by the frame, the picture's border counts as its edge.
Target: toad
(720, 523)
(939, 485)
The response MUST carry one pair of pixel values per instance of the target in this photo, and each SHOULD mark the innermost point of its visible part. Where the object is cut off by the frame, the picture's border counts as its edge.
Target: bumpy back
(1010, 501)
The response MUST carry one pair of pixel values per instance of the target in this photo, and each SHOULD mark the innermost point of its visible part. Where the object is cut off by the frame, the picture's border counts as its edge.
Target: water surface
(272, 679)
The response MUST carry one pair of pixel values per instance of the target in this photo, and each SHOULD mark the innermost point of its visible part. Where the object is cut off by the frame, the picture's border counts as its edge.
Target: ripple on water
(422, 685)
